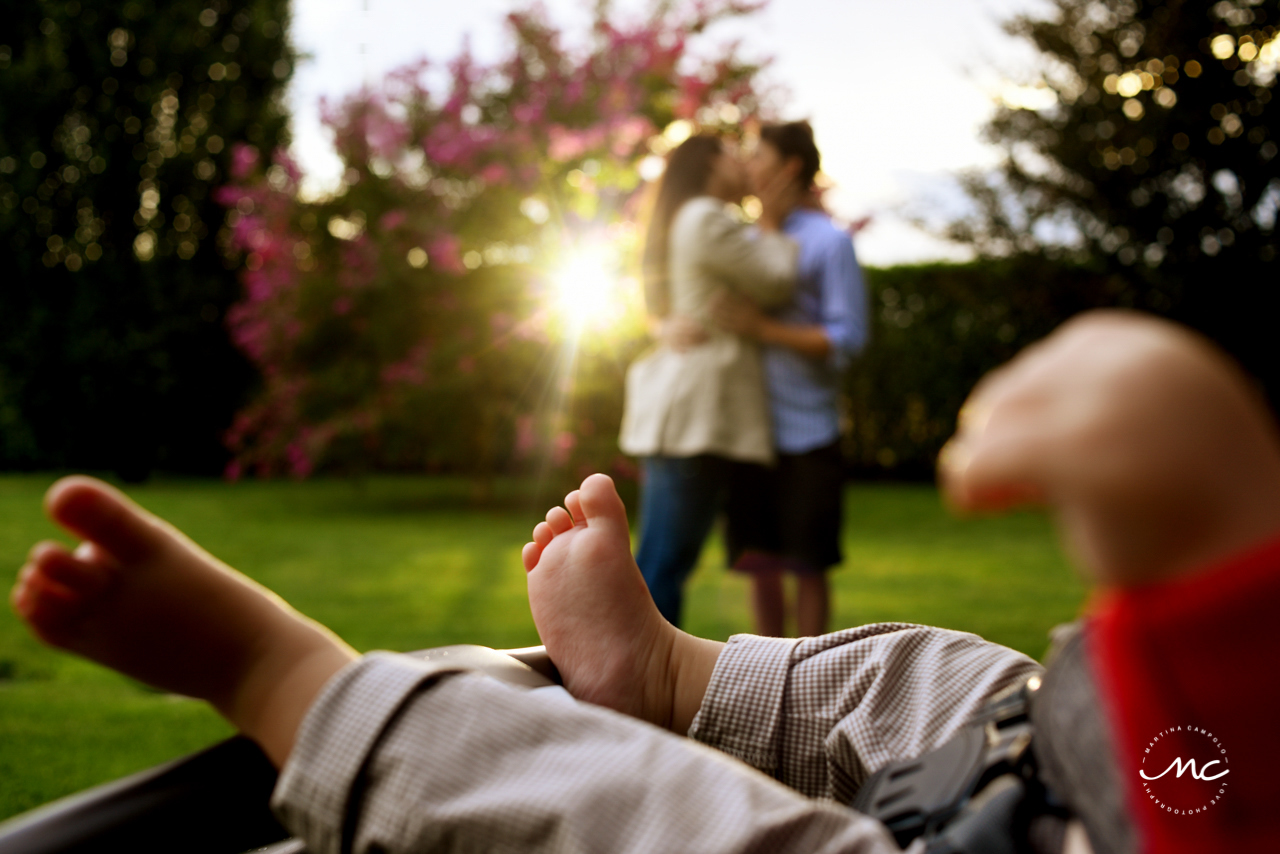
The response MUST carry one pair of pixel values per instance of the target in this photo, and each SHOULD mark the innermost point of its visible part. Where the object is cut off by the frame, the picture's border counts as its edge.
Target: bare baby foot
(141, 598)
(597, 619)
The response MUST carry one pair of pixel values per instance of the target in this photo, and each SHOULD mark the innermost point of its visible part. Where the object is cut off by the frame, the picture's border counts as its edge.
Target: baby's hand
(1149, 445)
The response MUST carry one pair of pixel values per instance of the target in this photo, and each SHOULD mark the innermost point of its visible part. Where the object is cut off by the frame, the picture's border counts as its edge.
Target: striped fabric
(822, 714)
(394, 758)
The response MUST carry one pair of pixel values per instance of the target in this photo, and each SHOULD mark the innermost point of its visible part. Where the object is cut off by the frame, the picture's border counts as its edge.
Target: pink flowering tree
(463, 301)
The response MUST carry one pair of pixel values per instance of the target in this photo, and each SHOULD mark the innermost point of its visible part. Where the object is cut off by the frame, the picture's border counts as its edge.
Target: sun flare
(586, 286)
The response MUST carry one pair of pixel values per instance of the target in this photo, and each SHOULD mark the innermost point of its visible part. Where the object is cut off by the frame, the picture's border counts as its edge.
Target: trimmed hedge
(936, 330)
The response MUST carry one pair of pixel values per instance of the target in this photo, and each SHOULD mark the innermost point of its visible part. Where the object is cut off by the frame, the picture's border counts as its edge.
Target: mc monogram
(1196, 783)
(1202, 774)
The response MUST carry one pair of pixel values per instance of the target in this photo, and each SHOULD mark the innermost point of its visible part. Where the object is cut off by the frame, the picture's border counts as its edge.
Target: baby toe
(559, 520)
(93, 510)
(42, 549)
(600, 499)
(573, 503)
(529, 556)
(92, 553)
(20, 592)
(47, 606)
(84, 578)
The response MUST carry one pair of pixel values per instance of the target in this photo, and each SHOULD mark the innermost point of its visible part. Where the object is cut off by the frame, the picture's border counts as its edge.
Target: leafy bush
(936, 330)
(431, 313)
(116, 120)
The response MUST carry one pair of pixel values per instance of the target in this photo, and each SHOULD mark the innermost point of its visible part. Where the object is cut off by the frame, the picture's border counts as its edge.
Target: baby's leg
(598, 621)
(139, 597)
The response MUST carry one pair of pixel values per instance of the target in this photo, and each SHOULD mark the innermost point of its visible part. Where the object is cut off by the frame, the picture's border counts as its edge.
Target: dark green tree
(116, 121)
(1155, 161)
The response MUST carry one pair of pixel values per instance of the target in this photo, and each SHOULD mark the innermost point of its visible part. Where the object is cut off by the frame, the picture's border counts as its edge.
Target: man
(793, 514)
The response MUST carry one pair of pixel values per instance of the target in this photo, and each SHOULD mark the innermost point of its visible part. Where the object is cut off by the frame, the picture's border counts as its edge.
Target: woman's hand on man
(735, 313)
(681, 333)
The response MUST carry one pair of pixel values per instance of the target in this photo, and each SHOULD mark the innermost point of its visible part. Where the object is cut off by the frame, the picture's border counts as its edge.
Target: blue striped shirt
(804, 392)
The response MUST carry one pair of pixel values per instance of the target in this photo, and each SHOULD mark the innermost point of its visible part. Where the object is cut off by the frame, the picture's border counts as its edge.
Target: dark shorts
(794, 511)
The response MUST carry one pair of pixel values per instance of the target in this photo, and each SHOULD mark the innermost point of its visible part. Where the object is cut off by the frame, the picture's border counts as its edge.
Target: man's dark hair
(795, 139)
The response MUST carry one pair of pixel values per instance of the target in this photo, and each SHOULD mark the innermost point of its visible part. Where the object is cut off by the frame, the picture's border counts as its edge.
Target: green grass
(408, 563)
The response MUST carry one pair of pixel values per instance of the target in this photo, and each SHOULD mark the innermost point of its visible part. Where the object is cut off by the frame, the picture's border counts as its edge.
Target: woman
(695, 415)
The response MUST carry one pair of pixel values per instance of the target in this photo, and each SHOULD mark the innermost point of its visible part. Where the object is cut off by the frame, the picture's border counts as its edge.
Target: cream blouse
(710, 399)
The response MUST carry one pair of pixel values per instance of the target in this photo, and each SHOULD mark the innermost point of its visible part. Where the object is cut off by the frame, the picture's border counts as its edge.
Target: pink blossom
(693, 95)
(386, 136)
(629, 133)
(529, 176)
(526, 436)
(244, 158)
(300, 464)
(281, 157)
(407, 80)
(465, 74)
(533, 328)
(458, 145)
(502, 131)
(248, 232)
(360, 264)
(500, 322)
(494, 173)
(562, 446)
(227, 196)
(409, 369)
(528, 114)
(565, 144)
(445, 252)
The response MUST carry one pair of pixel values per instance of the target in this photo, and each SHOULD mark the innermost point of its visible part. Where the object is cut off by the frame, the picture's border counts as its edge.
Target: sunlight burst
(585, 285)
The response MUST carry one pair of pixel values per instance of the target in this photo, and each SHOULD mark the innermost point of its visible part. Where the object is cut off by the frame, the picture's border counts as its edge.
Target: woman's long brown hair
(688, 169)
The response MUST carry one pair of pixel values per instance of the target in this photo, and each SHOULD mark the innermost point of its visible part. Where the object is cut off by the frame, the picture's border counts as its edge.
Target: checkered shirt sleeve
(392, 757)
(822, 714)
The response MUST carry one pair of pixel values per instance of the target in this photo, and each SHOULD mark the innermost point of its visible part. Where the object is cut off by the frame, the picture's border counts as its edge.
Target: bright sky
(896, 92)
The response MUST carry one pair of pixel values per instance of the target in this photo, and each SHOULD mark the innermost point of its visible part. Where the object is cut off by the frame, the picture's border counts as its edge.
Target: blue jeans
(679, 500)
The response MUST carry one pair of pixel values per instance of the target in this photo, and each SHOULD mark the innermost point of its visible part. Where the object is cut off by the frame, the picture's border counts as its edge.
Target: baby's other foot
(56, 586)
(141, 598)
(593, 610)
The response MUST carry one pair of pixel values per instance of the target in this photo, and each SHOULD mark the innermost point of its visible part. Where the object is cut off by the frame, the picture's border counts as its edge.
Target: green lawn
(407, 563)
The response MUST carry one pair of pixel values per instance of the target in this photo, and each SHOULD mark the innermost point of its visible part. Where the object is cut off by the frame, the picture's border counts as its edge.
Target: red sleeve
(1188, 672)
